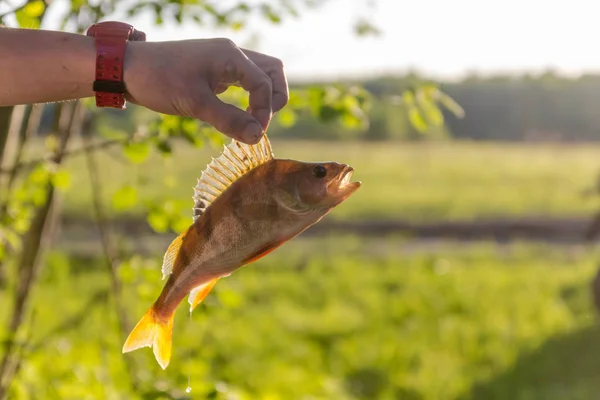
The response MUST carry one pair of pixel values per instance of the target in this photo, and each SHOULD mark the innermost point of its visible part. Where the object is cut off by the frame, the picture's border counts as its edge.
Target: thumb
(227, 118)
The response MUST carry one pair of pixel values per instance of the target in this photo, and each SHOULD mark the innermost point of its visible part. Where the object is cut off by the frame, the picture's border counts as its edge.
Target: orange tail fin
(152, 331)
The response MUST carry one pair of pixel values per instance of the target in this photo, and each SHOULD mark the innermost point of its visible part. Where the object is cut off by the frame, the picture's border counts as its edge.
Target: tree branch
(83, 149)
(110, 255)
(35, 242)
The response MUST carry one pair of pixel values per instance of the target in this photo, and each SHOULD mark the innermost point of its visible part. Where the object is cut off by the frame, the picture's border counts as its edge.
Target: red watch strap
(111, 40)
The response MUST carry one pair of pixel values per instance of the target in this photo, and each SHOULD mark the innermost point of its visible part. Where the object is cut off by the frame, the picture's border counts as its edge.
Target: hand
(184, 77)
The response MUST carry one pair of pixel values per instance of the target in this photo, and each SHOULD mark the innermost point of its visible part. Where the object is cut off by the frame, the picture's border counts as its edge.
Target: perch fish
(246, 204)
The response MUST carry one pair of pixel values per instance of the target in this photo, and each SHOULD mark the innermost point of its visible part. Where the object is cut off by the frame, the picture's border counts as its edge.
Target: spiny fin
(200, 292)
(171, 255)
(153, 332)
(237, 159)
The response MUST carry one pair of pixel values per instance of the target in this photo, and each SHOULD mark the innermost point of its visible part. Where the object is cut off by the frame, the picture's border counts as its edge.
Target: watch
(111, 39)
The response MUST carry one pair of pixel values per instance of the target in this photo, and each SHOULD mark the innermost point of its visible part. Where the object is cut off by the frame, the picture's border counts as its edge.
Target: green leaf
(243, 7)
(190, 125)
(451, 105)
(365, 28)
(124, 198)
(39, 176)
(158, 15)
(164, 147)
(434, 115)
(126, 272)
(181, 224)
(237, 26)
(193, 138)
(171, 207)
(328, 113)
(61, 179)
(409, 98)
(270, 14)
(169, 124)
(351, 121)
(350, 102)
(21, 225)
(137, 152)
(430, 91)
(426, 101)
(51, 142)
(158, 220)
(416, 119)
(315, 98)
(29, 15)
(12, 238)
(229, 298)
(286, 117)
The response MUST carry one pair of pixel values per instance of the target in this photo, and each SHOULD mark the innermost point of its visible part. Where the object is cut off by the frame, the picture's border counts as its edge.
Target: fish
(247, 203)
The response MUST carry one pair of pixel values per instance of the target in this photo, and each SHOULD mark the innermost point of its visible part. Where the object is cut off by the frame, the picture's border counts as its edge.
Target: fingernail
(252, 132)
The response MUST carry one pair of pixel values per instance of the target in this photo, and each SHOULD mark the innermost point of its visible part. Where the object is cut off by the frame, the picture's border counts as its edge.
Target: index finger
(258, 84)
(273, 67)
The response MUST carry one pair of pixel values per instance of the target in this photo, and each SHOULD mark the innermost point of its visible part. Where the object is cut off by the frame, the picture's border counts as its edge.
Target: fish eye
(319, 171)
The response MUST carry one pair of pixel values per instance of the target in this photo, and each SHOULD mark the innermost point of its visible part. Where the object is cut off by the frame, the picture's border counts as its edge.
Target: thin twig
(74, 321)
(83, 149)
(27, 130)
(110, 255)
(35, 243)
(22, 346)
(10, 154)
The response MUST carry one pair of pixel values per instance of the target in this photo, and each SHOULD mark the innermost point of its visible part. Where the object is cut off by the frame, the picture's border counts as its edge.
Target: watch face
(129, 31)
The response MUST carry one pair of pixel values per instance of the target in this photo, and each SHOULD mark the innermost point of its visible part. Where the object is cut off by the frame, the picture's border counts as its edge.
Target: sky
(441, 38)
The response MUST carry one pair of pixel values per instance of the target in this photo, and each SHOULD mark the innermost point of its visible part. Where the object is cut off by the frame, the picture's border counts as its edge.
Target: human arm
(177, 77)
(44, 66)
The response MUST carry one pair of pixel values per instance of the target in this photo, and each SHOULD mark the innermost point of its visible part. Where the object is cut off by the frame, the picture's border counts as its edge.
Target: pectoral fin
(200, 292)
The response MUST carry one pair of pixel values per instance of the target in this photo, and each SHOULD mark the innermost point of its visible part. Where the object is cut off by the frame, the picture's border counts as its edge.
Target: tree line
(526, 107)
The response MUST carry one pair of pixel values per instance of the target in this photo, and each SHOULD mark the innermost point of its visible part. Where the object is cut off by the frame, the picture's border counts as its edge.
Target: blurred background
(464, 268)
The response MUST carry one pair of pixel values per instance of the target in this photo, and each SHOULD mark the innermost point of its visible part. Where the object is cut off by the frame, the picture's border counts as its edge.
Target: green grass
(334, 318)
(344, 318)
(419, 182)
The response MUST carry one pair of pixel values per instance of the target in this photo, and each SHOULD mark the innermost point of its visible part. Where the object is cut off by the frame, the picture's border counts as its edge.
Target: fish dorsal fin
(171, 255)
(237, 159)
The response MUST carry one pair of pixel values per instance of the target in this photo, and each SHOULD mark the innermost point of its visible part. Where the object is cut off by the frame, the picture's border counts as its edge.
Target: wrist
(133, 67)
(112, 41)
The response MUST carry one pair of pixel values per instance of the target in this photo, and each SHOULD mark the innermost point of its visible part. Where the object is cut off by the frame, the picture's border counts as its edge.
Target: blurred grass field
(417, 182)
(333, 318)
(343, 317)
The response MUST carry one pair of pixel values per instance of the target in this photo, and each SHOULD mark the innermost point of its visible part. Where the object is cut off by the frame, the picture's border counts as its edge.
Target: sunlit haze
(441, 38)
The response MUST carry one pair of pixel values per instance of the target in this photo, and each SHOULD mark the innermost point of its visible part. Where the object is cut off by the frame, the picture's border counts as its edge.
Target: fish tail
(153, 331)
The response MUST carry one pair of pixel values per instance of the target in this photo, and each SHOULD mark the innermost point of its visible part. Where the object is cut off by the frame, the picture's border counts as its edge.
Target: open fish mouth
(346, 176)
(344, 186)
